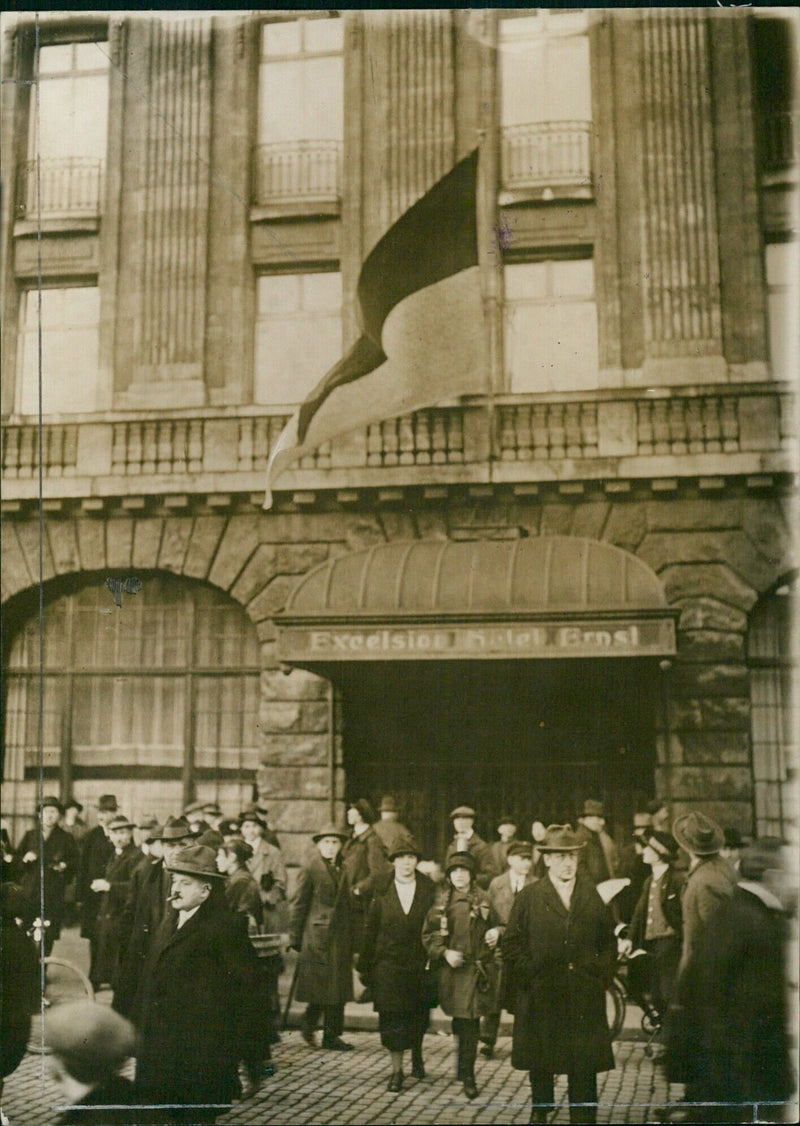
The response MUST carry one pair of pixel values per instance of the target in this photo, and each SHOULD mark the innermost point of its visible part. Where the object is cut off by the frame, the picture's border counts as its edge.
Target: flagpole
(490, 260)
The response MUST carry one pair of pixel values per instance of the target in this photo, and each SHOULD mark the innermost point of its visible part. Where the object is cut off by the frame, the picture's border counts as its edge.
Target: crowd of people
(533, 927)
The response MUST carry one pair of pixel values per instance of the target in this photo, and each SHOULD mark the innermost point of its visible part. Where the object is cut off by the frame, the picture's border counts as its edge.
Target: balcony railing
(780, 141)
(71, 186)
(297, 171)
(551, 154)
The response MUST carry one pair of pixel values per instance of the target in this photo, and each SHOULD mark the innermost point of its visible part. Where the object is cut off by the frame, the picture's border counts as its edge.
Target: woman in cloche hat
(455, 939)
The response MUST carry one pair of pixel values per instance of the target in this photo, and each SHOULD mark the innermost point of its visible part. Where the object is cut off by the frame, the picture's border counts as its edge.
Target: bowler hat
(120, 822)
(662, 843)
(196, 860)
(365, 810)
(107, 803)
(462, 811)
(51, 801)
(91, 1039)
(520, 848)
(593, 808)
(507, 819)
(252, 816)
(176, 829)
(461, 860)
(329, 830)
(73, 804)
(405, 846)
(561, 838)
(388, 804)
(698, 834)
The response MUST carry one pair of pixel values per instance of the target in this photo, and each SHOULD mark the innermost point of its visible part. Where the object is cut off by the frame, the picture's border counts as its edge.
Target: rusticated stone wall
(714, 557)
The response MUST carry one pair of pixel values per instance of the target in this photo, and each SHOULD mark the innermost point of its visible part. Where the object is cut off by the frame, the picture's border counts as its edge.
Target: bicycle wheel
(615, 1007)
(63, 982)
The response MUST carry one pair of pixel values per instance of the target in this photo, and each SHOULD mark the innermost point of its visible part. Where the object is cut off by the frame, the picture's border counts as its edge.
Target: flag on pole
(419, 296)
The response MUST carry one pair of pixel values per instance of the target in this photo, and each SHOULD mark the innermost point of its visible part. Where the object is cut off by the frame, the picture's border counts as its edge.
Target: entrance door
(534, 738)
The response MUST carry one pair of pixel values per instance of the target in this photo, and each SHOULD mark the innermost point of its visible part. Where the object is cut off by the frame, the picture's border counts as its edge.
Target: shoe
(487, 1050)
(308, 1036)
(396, 1082)
(337, 1045)
(418, 1068)
(470, 1089)
(538, 1116)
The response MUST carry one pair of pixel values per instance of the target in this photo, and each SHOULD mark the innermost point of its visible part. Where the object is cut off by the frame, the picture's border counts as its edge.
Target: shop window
(551, 326)
(546, 103)
(773, 654)
(783, 284)
(135, 697)
(69, 320)
(298, 334)
(300, 112)
(67, 135)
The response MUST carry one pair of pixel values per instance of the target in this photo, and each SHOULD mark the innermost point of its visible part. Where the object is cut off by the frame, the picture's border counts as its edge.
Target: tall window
(67, 135)
(70, 327)
(298, 334)
(773, 654)
(546, 102)
(551, 326)
(783, 285)
(300, 111)
(138, 700)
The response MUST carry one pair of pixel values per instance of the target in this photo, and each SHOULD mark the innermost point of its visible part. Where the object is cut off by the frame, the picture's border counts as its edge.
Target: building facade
(579, 585)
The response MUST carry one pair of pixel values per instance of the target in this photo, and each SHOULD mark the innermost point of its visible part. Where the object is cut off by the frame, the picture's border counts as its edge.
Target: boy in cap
(88, 1045)
(320, 930)
(465, 839)
(47, 858)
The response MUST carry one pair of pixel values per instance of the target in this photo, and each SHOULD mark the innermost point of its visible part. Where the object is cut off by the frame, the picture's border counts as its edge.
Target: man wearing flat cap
(115, 887)
(320, 930)
(711, 879)
(599, 857)
(47, 858)
(561, 952)
(465, 839)
(199, 1013)
(88, 1044)
(96, 852)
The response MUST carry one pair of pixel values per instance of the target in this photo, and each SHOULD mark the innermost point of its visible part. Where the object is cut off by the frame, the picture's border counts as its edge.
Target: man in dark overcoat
(112, 932)
(47, 859)
(561, 952)
(599, 856)
(320, 929)
(199, 1005)
(96, 851)
(711, 879)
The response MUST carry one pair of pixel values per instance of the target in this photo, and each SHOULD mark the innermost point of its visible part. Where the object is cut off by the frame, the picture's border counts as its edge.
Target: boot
(470, 1087)
(395, 1082)
(417, 1066)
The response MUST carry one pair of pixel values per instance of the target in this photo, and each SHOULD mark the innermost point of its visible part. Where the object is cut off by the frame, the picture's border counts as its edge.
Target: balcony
(70, 187)
(298, 172)
(549, 159)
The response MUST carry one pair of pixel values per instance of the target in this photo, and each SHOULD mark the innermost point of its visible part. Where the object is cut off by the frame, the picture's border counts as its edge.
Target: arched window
(773, 652)
(154, 700)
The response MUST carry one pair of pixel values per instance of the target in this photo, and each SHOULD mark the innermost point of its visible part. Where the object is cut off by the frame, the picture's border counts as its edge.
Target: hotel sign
(628, 637)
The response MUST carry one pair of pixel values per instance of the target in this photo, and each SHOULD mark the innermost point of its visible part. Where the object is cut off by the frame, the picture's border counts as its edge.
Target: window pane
(278, 293)
(322, 291)
(281, 102)
(573, 278)
(293, 355)
(324, 35)
(323, 99)
(552, 346)
(525, 280)
(91, 56)
(55, 58)
(70, 345)
(281, 38)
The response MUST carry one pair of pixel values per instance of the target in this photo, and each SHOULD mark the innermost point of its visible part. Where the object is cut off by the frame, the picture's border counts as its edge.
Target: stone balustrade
(632, 433)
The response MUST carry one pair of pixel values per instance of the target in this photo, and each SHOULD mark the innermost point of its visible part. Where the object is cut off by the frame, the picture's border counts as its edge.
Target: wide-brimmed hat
(176, 829)
(405, 846)
(53, 802)
(89, 1037)
(662, 843)
(520, 848)
(196, 860)
(593, 808)
(120, 822)
(330, 830)
(388, 804)
(462, 811)
(364, 809)
(461, 860)
(698, 834)
(561, 838)
(107, 803)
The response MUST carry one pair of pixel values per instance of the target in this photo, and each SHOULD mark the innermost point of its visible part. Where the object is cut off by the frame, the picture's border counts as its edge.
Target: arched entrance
(519, 676)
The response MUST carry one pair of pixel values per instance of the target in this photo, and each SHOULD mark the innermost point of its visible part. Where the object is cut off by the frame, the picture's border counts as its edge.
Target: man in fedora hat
(561, 952)
(115, 886)
(199, 1005)
(320, 930)
(711, 879)
(389, 827)
(465, 839)
(599, 857)
(96, 852)
(47, 858)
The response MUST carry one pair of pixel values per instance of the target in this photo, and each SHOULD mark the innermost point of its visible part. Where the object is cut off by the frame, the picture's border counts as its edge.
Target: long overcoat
(501, 900)
(242, 894)
(561, 963)
(145, 911)
(367, 867)
(320, 926)
(199, 1012)
(111, 932)
(468, 991)
(96, 851)
(393, 958)
(709, 885)
(45, 876)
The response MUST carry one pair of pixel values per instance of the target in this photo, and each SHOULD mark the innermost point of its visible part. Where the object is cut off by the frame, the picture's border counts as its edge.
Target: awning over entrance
(545, 597)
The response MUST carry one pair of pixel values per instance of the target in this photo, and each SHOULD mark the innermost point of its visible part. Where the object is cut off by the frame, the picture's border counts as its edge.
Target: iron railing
(297, 171)
(59, 186)
(550, 154)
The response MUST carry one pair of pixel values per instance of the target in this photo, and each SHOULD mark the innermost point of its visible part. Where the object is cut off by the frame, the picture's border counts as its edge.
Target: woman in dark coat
(320, 929)
(111, 930)
(366, 864)
(393, 959)
(47, 859)
(561, 959)
(241, 890)
(199, 1013)
(20, 981)
(455, 939)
